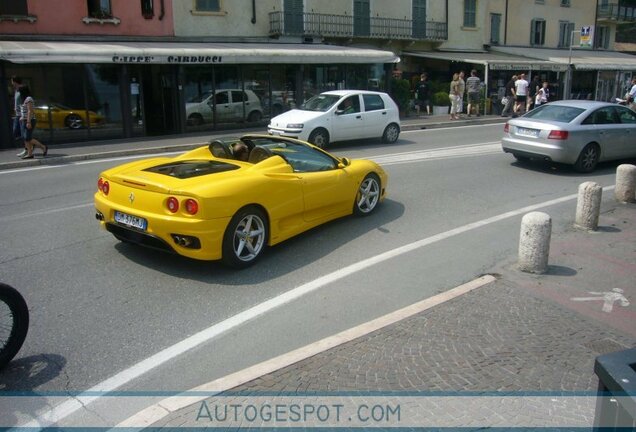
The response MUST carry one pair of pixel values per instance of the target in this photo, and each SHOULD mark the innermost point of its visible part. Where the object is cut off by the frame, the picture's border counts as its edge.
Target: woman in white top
(27, 123)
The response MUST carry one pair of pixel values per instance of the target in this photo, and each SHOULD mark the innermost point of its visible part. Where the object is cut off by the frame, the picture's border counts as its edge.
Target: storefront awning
(187, 53)
(492, 60)
(581, 59)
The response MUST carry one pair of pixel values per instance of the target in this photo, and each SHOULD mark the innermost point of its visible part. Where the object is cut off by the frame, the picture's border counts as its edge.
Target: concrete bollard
(588, 206)
(625, 190)
(534, 242)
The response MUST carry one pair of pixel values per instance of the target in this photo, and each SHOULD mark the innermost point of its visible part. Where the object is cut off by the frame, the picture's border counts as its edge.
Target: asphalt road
(99, 307)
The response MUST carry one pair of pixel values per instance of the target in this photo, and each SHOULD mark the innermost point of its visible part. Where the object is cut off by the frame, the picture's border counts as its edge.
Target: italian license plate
(527, 132)
(131, 221)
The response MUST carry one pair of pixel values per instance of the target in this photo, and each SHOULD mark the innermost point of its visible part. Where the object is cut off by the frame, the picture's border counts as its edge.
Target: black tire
(368, 195)
(73, 121)
(588, 159)
(319, 138)
(245, 238)
(391, 133)
(14, 323)
(254, 117)
(195, 119)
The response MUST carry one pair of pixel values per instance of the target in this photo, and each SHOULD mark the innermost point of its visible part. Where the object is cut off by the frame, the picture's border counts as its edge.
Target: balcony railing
(347, 26)
(612, 12)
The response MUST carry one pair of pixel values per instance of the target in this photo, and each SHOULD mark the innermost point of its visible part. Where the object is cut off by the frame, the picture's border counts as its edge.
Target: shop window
(147, 9)
(207, 5)
(14, 7)
(99, 9)
(537, 32)
(470, 13)
(565, 33)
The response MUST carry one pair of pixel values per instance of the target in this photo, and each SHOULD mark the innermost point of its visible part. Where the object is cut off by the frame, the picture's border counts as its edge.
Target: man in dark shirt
(510, 95)
(423, 95)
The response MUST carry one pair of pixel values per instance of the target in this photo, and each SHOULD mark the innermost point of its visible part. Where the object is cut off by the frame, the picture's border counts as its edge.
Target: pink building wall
(64, 17)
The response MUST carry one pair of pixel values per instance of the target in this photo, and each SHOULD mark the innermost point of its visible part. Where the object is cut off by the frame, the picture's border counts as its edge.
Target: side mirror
(344, 162)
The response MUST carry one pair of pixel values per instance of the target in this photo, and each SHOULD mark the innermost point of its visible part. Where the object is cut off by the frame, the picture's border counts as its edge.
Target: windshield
(320, 102)
(558, 113)
(199, 98)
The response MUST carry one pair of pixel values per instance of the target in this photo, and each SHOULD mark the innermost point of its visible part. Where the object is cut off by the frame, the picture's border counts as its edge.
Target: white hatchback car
(340, 115)
(229, 105)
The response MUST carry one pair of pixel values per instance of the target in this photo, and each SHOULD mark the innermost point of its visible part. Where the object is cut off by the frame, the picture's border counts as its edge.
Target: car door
(348, 120)
(376, 116)
(604, 127)
(627, 118)
(327, 189)
(223, 106)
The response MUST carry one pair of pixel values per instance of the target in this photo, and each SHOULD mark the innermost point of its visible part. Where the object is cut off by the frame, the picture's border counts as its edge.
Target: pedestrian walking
(631, 99)
(453, 95)
(533, 88)
(473, 89)
(509, 97)
(462, 90)
(521, 92)
(542, 96)
(16, 83)
(28, 122)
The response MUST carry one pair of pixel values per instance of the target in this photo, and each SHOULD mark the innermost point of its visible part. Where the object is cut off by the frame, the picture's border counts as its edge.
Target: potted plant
(401, 94)
(441, 103)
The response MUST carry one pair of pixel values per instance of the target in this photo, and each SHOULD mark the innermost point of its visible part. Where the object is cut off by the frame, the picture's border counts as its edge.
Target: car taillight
(173, 204)
(558, 135)
(103, 186)
(191, 206)
(506, 128)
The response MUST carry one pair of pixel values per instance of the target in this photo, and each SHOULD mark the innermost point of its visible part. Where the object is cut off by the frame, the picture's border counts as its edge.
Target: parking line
(124, 377)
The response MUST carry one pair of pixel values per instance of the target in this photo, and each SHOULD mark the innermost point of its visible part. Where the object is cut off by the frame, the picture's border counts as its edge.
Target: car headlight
(295, 125)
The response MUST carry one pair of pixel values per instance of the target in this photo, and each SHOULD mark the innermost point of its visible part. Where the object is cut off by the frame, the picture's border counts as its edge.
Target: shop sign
(587, 36)
(528, 66)
(168, 59)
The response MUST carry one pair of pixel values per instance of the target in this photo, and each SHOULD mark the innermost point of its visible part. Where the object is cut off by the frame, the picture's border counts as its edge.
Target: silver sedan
(574, 132)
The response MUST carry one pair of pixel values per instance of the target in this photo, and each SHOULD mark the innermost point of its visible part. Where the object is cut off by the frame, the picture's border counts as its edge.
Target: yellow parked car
(62, 116)
(210, 203)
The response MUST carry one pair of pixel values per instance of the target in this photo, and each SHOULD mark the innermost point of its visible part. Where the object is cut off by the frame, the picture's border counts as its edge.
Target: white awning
(187, 53)
(581, 59)
(492, 60)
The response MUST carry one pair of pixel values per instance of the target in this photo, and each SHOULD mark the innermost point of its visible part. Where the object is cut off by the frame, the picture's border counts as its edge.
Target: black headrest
(220, 149)
(259, 154)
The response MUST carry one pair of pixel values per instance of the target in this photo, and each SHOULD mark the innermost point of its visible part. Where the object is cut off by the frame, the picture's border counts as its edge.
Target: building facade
(103, 69)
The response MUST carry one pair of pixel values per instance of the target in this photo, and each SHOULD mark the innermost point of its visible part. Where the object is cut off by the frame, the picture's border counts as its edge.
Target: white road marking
(124, 377)
(44, 212)
(608, 298)
(159, 410)
(439, 153)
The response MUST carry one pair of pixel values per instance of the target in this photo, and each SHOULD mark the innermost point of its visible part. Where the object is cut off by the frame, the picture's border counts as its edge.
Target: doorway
(154, 99)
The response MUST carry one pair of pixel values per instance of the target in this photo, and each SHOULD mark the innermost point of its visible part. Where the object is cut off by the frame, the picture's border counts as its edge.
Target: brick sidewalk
(522, 333)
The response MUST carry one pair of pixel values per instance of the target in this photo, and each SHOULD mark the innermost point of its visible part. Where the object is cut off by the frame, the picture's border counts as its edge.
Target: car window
(320, 102)
(553, 112)
(601, 116)
(626, 115)
(372, 102)
(222, 98)
(301, 158)
(238, 96)
(350, 105)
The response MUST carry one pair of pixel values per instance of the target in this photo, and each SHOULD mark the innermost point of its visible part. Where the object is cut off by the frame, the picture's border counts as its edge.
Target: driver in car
(241, 151)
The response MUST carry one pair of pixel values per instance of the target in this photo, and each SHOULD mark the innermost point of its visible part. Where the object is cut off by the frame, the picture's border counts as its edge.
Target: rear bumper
(163, 233)
(539, 150)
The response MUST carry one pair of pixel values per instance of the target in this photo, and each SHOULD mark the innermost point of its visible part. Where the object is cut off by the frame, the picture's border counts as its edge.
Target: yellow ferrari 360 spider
(213, 203)
(51, 115)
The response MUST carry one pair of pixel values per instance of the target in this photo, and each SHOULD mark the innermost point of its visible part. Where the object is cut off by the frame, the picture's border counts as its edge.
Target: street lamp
(568, 86)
